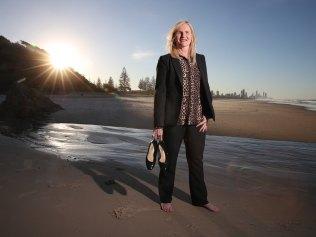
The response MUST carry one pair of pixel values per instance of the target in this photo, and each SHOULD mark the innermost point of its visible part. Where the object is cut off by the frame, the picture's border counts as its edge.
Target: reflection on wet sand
(254, 164)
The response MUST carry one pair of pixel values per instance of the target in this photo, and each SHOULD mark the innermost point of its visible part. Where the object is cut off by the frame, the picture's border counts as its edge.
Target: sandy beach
(84, 175)
(241, 118)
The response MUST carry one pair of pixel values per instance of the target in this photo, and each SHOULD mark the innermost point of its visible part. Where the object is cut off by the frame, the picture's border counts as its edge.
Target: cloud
(139, 55)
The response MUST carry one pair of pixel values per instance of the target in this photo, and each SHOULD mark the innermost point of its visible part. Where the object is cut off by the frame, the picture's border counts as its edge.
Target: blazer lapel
(177, 68)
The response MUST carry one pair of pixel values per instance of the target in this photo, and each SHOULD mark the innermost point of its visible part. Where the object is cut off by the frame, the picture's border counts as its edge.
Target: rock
(23, 102)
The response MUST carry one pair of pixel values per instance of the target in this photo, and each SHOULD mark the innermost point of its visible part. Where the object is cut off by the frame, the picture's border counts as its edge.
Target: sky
(264, 45)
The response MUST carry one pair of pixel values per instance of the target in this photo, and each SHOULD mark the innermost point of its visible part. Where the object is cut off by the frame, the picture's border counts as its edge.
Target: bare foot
(167, 207)
(211, 207)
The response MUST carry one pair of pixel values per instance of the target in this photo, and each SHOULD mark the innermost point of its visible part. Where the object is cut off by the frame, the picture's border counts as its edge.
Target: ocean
(307, 104)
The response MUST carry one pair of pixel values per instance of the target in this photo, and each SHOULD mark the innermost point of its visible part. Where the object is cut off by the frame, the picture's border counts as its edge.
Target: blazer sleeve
(209, 92)
(160, 93)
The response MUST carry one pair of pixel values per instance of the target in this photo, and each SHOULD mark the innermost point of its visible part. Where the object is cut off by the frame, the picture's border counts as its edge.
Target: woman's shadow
(111, 174)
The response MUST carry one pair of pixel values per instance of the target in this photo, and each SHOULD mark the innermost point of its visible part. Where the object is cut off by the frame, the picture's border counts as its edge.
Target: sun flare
(63, 56)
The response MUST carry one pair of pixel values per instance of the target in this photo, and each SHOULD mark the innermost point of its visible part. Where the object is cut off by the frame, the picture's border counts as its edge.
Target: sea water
(307, 104)
(75, 142)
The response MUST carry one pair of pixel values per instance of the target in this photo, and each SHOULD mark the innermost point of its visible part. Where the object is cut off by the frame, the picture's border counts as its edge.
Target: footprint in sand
(192, 227)
(126, 212)
(122, 212)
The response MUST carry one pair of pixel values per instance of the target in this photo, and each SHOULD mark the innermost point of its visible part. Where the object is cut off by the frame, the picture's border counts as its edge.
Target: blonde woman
(182, 108)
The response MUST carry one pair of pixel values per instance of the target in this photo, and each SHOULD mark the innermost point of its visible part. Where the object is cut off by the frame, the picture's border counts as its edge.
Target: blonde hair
(171, 46)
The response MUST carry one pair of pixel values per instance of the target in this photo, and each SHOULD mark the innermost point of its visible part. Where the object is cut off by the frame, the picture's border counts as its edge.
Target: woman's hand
(158, 134)
(203, 125)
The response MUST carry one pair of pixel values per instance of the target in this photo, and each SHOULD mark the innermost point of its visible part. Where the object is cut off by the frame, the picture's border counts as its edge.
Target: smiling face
(183, 36)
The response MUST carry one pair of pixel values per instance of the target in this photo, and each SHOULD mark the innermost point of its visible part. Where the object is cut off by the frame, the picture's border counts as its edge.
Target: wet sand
(96, 184)
(240, 118)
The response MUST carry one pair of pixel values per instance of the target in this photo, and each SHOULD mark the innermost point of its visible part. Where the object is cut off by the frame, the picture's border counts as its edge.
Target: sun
(63, 55)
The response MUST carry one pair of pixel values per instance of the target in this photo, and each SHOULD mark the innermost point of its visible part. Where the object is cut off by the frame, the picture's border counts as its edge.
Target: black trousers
(194, 145)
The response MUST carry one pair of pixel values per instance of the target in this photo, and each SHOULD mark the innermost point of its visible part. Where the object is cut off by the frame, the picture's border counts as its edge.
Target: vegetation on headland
(23, 60)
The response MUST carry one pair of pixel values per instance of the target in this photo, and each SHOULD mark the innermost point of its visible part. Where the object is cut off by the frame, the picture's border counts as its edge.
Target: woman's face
(183, 36)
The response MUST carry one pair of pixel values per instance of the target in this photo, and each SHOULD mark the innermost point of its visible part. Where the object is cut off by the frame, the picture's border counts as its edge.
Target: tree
(152, 84)
(124, 82)
(111, 82)
(99, 84)
(109, 87)
(141, 84)
(147, 84)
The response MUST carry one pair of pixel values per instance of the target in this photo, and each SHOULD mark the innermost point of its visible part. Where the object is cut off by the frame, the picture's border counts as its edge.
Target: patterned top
(191, 108)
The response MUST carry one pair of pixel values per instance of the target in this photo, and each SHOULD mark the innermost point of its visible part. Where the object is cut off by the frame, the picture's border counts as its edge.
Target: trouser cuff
(200, 203)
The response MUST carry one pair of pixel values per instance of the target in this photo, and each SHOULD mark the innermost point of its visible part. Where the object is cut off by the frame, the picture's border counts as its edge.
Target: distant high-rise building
(243, 93)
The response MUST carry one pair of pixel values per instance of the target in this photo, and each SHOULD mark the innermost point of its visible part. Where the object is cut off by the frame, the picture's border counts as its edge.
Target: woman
(182, 108)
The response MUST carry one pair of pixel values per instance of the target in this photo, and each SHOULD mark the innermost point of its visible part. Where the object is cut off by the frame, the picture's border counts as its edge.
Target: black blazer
(168, 91)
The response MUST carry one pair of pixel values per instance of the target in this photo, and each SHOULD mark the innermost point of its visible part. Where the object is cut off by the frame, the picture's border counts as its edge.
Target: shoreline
(236, 118)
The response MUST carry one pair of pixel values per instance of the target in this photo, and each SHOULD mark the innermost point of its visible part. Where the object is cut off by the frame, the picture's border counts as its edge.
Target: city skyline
(148, 84)
(251, 45)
